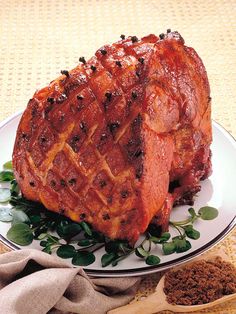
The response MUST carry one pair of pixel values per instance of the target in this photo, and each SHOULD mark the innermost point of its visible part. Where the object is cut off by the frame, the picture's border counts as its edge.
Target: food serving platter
(217, 191)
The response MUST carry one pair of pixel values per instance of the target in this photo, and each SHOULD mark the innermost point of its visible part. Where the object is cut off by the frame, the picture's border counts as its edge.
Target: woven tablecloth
(39, 38)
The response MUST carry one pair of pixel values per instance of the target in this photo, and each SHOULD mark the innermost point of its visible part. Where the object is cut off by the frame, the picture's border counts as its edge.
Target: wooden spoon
(157, 302)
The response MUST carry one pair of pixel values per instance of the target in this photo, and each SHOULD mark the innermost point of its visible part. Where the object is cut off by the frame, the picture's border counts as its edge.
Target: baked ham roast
(120, 139)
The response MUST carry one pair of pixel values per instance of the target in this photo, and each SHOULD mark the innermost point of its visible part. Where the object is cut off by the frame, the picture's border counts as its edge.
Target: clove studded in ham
(120, 139)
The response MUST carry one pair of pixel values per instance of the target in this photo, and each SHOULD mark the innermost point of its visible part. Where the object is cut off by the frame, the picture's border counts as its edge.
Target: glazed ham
(121, 139)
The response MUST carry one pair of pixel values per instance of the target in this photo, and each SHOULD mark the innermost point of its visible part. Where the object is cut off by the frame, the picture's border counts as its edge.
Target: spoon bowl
(157, 302)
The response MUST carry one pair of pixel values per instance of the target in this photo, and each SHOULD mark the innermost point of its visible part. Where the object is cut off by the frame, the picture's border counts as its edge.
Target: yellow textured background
(40, 38)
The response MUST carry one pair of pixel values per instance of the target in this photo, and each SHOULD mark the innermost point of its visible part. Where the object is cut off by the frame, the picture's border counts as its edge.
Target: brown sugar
(201, 282)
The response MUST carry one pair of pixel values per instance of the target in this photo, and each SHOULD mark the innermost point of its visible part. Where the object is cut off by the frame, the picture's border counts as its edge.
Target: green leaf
(52, 239)
(181, 245)
(5, 195)
(140, 252)
(72, 229)
(19, 216)
(168, 248)
(8, 165)
(47, 249)
(5, 214)
(86, 228)
(164, 238)
(154, 240)
(66, 251)
(152, 260)
(208, 213)
(43, 243)
(68, 230)
(6, 175)
(21, 234)
(115, 262)
(84, 242)
(60, 228)
(192, 212)
(107, 258)
(14, 188)
(191, 232)
(83, 258)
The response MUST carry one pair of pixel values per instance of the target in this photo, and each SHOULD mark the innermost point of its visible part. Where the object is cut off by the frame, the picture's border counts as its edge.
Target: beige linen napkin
(34, 282)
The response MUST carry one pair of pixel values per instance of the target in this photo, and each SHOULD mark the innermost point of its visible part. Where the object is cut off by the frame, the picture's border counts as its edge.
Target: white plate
(218, 191)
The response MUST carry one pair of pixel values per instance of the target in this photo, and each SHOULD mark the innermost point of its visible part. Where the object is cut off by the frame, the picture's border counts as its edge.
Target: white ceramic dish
(218, 191)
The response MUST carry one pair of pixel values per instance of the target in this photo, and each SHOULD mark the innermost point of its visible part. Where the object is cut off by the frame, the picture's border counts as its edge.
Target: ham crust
(121, 138)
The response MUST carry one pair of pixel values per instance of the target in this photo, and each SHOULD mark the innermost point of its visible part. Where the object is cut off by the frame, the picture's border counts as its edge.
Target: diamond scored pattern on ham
(120, 139)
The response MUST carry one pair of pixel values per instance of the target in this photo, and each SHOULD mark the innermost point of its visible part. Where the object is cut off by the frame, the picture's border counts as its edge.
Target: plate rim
(145, 269)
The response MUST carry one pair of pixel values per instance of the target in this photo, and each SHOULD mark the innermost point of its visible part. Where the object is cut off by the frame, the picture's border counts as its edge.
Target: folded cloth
(34, 282)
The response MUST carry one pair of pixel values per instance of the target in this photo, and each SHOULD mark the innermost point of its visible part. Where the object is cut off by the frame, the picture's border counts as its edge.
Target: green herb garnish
(78, 241)
(168, 248)
(208, 213)
(21, 234)
(66, 251)
(8, 165)
(152, 260)
(191, 232)
(83, 258)
(6, 175)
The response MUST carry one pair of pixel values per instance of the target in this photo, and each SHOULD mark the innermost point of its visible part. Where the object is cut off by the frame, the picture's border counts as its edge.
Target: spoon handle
(148, 306)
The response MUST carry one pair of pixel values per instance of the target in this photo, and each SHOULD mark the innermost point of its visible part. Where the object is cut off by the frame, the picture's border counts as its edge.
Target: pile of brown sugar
(200, 282)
